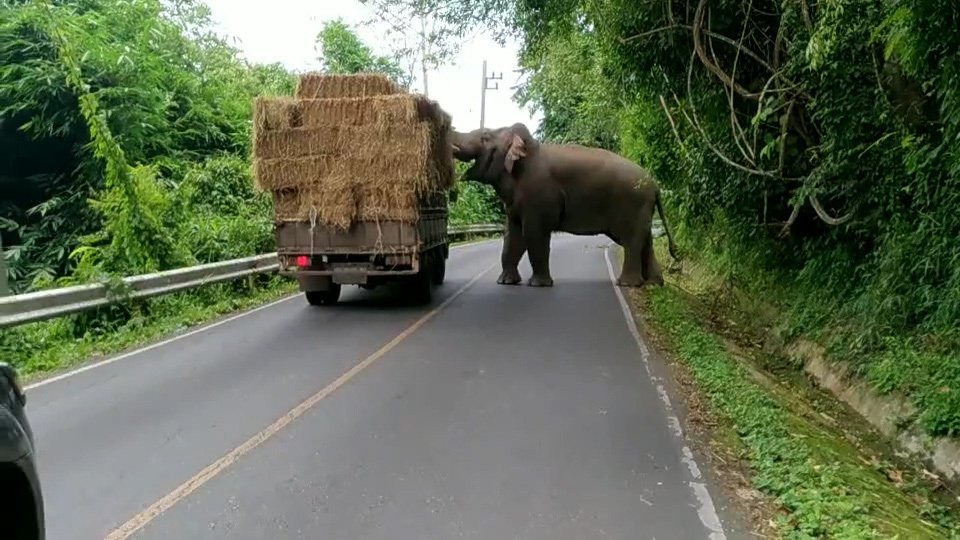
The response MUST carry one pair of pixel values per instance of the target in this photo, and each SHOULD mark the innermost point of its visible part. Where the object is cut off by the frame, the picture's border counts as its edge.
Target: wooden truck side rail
(368, 253)
(373, 248)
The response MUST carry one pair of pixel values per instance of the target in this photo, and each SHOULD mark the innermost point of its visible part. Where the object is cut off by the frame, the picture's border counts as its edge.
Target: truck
(368, 254)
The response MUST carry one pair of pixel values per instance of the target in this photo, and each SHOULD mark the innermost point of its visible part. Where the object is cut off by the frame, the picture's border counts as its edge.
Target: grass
(921, 363)
(824, 480)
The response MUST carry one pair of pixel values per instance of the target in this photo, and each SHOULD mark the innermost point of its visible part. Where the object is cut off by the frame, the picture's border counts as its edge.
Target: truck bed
(367, 247)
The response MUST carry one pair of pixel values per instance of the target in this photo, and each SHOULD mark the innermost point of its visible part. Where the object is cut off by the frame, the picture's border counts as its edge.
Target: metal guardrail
(48, 304)
(51, 303)
(475, 229)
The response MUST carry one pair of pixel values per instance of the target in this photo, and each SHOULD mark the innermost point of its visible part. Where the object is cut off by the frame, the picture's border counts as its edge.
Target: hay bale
(388, 201)
(321, 85)
(347, 141)
(271, 113)
(276, 113)
(286, 204)
(333, 205)
(389, 109)
(335, 201)
(351, 148)
(302, 173)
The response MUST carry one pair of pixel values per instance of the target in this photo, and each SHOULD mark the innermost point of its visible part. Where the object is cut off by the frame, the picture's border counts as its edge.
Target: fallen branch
(701, 53)
(749, 152)
(673, 125)
(826, 217)
(821, 213)
(805, 9)
(793, 217)
(705, 32)
(695, 123)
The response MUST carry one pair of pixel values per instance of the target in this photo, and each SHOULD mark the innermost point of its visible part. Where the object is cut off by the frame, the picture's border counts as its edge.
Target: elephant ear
(516, 151)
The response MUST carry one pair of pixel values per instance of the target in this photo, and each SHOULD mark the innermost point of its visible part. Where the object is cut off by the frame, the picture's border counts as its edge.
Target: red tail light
(303, 261)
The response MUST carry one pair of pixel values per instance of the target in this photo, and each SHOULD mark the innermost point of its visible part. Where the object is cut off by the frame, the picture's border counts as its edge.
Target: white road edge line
(706, 510)
(187, 334)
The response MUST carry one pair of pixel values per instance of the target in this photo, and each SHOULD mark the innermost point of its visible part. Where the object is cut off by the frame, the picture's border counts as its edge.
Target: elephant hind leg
(631, 274)
(537, 239)
(651, 268)
(639, 265)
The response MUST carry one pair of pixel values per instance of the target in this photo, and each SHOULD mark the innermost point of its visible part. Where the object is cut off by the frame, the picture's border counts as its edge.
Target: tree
(149, 85)
(430, 31)
(342, 51)
(565, 82)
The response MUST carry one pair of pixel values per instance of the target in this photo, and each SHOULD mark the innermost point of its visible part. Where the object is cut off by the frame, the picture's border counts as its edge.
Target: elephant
(566, 188)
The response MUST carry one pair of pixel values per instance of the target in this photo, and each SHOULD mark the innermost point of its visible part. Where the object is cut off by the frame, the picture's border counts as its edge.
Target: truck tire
(421, 284)
(328, 297)
(439, 270)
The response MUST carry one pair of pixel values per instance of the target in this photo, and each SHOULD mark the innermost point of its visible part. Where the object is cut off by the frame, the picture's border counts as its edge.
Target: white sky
(284, 31)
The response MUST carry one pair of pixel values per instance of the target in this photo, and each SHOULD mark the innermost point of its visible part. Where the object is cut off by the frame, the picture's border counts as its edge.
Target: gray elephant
(568, 188)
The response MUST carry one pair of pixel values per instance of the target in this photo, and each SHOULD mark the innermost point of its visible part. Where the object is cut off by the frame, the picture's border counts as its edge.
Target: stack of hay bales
(351, 148)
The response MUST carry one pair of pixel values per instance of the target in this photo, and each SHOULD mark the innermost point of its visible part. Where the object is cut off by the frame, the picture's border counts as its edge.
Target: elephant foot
(656, 280)
(540, 281)
(628, 281)
(509, 277)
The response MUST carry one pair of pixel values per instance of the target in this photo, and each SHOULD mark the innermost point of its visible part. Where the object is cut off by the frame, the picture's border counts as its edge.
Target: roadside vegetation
(830, 474)
(126, 134)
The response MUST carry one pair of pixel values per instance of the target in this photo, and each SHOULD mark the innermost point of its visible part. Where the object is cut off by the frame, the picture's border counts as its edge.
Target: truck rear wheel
(421, 284)
(324, 298)
(439, 270)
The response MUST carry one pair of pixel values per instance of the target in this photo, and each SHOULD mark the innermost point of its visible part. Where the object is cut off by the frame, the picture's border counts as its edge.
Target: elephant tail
(666, 227)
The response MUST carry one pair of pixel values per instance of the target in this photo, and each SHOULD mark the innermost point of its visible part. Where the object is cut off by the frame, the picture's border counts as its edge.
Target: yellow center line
(147, 515)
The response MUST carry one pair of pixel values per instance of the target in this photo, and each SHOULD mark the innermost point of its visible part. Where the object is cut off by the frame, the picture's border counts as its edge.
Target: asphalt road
(495, 413)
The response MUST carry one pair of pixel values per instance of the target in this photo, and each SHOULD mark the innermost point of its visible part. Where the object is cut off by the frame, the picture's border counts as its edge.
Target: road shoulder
(797, 463)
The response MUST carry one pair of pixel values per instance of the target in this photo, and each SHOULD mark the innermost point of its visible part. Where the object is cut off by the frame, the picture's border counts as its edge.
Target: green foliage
(228, 218)
(341, 51)
(563, 84)
(109, 104)
(476, 203)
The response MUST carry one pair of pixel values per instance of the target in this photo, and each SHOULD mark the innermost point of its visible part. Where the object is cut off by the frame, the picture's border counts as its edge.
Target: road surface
(495, 412)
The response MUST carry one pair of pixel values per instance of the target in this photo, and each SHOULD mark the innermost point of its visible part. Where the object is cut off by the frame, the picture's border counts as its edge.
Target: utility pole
(483, 90)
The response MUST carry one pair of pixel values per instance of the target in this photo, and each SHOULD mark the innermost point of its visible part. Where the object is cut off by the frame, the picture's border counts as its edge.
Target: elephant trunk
(460, 146)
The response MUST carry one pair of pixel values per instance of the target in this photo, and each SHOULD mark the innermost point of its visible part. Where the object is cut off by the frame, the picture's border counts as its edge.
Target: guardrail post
(4, 285)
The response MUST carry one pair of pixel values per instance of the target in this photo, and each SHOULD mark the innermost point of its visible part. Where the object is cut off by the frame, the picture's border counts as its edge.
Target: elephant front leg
(651, 268)
(538, 248)
(513, 250)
